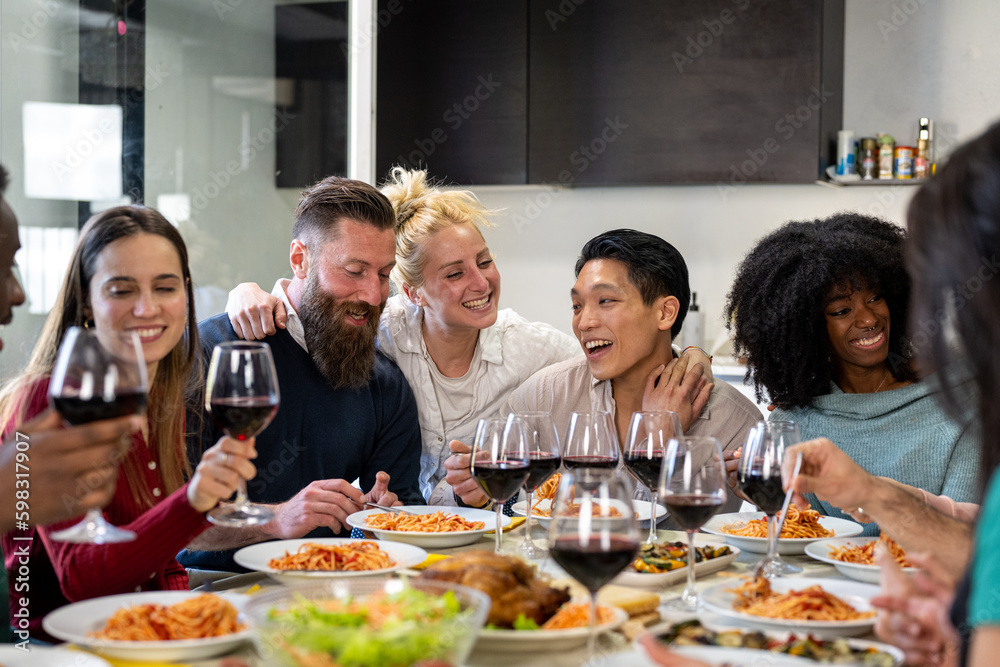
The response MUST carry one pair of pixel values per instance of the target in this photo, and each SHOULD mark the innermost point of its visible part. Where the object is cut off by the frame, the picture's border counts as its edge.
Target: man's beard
(343, 352)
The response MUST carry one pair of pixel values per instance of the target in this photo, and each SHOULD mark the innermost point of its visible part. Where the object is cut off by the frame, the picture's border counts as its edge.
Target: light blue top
(903, 434)
(984, 599)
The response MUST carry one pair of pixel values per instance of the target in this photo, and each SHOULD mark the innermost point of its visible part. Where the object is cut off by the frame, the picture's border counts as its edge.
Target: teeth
(596, 343)
(148, 333)
(358, 316)
(871, 341)
(477, 304)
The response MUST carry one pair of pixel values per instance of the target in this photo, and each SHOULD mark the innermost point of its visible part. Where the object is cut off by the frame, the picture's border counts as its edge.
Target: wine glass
(97, 376)
(693, 487)
(759, 477)
(242, 398)
(500, 463)
(544, 459)
(593, 534)
(591, 442)
(648, 435)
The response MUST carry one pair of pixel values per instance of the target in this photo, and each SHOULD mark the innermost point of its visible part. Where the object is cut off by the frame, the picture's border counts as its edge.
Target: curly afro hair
(776, 305)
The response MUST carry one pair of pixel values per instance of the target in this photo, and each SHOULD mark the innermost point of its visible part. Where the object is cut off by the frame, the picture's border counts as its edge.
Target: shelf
(877, 181)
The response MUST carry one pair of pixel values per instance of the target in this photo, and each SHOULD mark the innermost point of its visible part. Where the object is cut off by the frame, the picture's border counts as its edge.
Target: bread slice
(635, 602)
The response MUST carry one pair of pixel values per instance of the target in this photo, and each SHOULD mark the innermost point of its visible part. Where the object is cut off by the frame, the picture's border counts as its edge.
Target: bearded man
(346, 411)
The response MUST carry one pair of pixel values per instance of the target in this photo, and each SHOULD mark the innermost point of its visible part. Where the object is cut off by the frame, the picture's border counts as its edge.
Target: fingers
(652, 379)
(280, 314)
(459, 447)
(701, 398)
(380, 488)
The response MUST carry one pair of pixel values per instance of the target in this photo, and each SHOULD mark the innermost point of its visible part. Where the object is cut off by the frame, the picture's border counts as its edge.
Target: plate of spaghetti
(160, 626)
(428, 526)
(325, 557)
(854, 557)
(566, 629)
(830, 606)
(748, 530)
(542, 510)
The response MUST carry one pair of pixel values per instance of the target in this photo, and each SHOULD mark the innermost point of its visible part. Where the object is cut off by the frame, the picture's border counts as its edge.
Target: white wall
(904, 60)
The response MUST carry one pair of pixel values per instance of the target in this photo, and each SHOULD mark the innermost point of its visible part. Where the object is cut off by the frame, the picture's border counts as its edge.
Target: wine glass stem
(690, 594)
(772, 541)
(592, 625)
(94, 515)
(499, 531)
(652, 517)
(241, 499)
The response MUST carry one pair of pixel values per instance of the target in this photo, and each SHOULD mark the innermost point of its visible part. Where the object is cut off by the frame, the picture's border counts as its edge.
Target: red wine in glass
(97, 376)
(500, 480)
(499, 463)
(763, 491)
(540, 468)
(692, 511)
(693, 487)
(242, 398)
(594, 564)
(593, 534)
(602, 462)
(75, 410)
(243, 417)
(649, 432)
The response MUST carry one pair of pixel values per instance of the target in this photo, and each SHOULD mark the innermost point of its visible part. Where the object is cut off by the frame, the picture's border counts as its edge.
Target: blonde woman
(460, 353)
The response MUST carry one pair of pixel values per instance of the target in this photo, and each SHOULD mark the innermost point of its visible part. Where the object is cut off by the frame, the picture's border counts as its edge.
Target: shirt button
(152, 465)
(152, 576)
(138, 589)
(440, 439)
(156, 491)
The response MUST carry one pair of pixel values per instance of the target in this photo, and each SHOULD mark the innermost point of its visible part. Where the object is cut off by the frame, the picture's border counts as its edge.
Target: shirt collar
(293, 325)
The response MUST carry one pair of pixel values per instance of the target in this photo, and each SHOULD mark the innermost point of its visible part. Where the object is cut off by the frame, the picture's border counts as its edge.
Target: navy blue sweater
(320, 433)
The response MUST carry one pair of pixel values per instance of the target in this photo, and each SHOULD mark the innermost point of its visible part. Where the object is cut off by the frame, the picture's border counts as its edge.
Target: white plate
(47, 656)
(719, 598)
(257, 556)
(751, 655)
(642, 510)
(72, 623)
(662, 579)
(432, 540)
(868, 573)
(786, 545)
(541, 641)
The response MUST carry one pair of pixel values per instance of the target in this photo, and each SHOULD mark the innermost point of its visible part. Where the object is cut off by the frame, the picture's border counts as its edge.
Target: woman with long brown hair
(129, 272)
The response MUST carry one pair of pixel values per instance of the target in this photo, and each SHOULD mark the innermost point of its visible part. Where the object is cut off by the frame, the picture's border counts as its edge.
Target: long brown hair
(954, 225)
(166, 411)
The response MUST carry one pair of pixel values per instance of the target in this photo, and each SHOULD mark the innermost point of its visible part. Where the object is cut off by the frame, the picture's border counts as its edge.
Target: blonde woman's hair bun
(422, 209)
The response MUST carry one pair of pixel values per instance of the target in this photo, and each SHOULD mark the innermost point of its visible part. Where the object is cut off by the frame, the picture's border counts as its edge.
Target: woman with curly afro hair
(819, 310)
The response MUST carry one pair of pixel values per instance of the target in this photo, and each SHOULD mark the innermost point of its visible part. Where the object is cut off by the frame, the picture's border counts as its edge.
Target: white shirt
(511, 351)
(293, 325)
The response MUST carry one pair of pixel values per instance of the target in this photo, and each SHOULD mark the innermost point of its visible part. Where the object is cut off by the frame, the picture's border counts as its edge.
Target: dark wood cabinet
(452, 89)
(602, 92)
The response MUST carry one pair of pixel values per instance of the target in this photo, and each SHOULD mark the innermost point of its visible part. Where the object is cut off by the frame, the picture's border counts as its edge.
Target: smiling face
(618, 333)
(461, 282)
(857, 322)
(11, 293)
(138, 285)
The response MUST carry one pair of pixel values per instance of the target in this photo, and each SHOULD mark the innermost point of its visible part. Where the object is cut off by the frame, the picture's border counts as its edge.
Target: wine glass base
(236, 516)
(93, 532)
(775, 568)
(683, 604)
(531, 551)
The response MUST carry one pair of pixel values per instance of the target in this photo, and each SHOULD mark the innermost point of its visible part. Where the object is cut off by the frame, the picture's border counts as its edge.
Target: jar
(868, 159)
(904, 162)
(885, 155)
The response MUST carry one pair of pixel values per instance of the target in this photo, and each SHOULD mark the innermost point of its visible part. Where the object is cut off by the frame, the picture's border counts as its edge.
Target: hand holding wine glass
(593, 534)
(499, 463)
(97, 378)
(591, 442)
(242, 398)
(693, 487)
(544, 458)
(759, 477)
(648, 435)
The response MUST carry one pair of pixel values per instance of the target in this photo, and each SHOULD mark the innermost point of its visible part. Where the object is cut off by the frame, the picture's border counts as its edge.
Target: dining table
(608, 643)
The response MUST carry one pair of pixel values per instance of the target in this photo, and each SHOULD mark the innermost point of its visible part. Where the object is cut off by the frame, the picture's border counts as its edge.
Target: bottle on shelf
(885, 156)
(923, 163)
(693, 332)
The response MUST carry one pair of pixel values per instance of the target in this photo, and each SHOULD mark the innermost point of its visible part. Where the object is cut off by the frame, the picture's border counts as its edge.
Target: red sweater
(60, 572)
